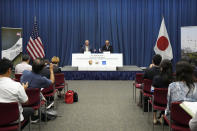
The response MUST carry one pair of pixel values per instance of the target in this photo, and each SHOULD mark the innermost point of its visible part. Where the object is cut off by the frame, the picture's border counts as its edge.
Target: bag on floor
(51, 114)
(69, 97)
(75, 96)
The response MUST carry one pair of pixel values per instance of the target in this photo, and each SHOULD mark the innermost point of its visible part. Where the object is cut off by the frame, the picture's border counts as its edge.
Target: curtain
(132, 26)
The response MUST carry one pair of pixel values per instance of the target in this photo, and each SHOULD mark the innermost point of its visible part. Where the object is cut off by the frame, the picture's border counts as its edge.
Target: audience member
(193, 123)
(12, 91)
(24, 65)
(162, 81)
(34, 78)
(46, 71)
(153, 69)
(184, 89)
(55, 61)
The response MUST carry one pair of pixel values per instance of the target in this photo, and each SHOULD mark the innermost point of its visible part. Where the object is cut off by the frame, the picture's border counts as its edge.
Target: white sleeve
(30, 68)
(16, 69)
(193, 123)
(22, 94)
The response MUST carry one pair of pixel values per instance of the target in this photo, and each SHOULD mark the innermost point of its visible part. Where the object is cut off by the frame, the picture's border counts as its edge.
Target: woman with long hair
(184, 89)
(162, 81)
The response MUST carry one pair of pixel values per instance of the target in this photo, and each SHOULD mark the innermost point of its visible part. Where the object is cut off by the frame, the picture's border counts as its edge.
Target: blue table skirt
(100, 75)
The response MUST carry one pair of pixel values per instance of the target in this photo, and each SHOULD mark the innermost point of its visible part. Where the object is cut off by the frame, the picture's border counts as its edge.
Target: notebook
(189, 107)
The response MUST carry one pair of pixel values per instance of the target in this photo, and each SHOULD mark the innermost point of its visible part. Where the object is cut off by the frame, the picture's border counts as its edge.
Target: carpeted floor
(102, 106)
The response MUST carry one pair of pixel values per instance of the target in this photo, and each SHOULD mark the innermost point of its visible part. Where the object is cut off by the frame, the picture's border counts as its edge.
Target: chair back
(160, 96)
(33, 97)
(18, 77)
(139, 78)
(9, 112)
(59, 79)
(178, 115)
(48, 90)
(147, 85)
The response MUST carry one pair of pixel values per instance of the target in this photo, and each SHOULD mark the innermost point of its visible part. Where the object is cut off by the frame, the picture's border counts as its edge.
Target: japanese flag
(163, 46)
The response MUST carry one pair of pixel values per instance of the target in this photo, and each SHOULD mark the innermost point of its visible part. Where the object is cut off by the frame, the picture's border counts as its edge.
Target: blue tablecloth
(100, 75)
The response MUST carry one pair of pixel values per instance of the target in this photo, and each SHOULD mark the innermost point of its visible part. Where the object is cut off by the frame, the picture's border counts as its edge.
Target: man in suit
(86, 47)
(107, 47)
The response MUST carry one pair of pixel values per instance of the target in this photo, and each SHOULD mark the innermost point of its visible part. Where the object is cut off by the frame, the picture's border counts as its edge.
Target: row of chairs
(9, 112)
(178, 120)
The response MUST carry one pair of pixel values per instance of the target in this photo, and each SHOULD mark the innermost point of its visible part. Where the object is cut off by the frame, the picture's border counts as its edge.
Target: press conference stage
(121, 73)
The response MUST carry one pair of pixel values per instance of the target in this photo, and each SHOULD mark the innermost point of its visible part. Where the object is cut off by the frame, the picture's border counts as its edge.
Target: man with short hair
(24, 65)
(153, 69)
(107, 47)
(86, 47)
(12, 91)
(34, 78)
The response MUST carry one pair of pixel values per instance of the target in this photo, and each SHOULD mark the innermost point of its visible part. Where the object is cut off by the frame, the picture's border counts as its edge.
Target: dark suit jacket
(83, 49)
(110, 48)
(151, 72)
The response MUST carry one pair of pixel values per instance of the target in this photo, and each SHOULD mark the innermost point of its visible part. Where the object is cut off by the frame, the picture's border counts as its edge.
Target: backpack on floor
(69, 97)
(75, 96)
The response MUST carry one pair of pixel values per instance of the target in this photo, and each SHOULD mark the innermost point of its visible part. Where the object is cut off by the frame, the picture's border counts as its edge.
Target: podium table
(97, 61)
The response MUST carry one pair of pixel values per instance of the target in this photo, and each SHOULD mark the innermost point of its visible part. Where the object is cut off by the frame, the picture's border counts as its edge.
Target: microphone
(94, 50)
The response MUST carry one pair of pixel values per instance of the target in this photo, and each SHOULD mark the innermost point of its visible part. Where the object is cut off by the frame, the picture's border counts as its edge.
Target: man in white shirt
(11, 91)
(24, 65)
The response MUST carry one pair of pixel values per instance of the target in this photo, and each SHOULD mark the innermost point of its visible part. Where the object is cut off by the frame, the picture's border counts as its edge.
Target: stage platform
(122, 73)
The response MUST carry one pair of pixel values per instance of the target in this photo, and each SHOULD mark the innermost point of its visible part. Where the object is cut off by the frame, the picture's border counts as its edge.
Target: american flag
(35, 47)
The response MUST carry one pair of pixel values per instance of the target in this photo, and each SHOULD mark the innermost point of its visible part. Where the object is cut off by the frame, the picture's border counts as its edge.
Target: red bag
(69, 97)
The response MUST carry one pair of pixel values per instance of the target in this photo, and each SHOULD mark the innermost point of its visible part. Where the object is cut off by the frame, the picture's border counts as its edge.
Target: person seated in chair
(34, 78)
(55, 61)
(107, 47)
(150, 72)
(24, 65)
(153, 69)
(12, 91)
(46, 71)
(184, 88)
(162, 81)
(86, 47)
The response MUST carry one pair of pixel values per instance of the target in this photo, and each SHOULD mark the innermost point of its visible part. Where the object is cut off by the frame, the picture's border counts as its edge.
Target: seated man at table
(86, 47)
(34, 78)
(12, 91)
(107, 47)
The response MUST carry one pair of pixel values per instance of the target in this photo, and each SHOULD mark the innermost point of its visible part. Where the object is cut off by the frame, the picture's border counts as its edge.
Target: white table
(97, 61)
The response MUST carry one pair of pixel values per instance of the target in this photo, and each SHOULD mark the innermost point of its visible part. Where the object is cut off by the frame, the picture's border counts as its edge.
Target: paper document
(189, 107)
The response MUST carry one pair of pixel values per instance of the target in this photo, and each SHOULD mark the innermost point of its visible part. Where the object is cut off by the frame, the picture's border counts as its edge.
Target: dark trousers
(27, 112)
